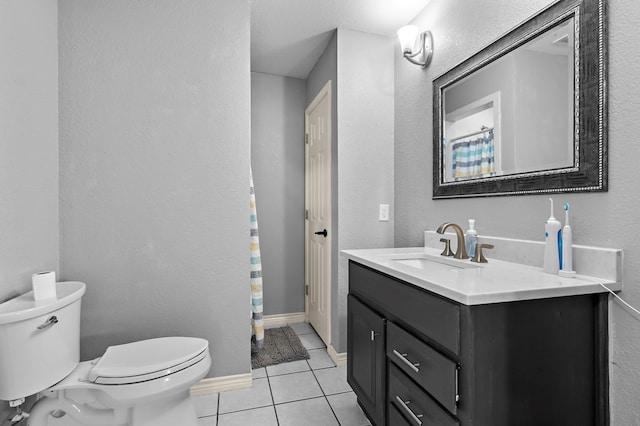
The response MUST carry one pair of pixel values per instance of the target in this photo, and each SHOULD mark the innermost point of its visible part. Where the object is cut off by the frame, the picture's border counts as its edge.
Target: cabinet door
(366, 360)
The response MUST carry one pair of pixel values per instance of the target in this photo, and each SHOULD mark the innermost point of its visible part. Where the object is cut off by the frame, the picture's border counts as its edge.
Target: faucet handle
(479, 256)
(447, 247)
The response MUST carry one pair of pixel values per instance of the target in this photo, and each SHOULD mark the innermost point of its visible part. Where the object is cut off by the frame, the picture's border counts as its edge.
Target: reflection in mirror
(516, 114)
(527, 114)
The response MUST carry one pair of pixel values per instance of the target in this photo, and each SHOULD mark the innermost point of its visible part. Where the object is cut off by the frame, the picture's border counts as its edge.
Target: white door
(318, 213)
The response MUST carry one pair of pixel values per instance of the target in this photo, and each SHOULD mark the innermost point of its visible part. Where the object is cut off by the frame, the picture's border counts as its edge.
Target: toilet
(142, 383)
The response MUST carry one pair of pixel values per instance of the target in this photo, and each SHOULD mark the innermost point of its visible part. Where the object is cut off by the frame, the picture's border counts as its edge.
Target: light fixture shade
(408, 35)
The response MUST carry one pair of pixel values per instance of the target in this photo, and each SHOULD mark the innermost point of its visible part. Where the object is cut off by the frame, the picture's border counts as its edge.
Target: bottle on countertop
(471, 238)
(552, 243)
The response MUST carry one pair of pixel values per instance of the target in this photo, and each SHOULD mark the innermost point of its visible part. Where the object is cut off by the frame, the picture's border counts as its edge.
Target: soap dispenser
(552, 241)
(471, 238)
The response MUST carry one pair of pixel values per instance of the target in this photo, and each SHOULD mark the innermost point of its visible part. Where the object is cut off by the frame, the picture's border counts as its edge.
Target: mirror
(527, 114)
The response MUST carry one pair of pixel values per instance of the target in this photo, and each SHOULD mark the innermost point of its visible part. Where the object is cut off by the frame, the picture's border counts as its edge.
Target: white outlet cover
(383, 213)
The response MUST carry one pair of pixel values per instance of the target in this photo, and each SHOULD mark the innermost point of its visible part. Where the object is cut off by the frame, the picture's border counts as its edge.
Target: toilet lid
(147, 360)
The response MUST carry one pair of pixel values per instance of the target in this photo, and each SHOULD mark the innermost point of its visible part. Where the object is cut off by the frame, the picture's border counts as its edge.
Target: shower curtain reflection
(474, 156)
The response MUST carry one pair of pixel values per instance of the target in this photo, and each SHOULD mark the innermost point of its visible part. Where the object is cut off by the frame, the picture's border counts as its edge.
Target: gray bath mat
(280, 345)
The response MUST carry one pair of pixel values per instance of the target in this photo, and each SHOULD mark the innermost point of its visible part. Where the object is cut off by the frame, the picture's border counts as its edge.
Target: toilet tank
(39, 342)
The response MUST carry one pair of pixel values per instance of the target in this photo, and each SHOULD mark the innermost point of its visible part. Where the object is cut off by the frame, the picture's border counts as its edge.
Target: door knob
(323, 233)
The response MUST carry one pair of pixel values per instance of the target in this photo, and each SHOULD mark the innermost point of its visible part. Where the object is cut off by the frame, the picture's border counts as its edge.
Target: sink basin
(429, 262)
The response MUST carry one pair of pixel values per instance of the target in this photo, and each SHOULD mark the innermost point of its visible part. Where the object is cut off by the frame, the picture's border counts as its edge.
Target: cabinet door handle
(411, 365)
(374, 335)
(405, 407)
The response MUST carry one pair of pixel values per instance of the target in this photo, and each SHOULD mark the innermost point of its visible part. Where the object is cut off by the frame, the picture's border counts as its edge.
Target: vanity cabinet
(366, 361)
(415, 357)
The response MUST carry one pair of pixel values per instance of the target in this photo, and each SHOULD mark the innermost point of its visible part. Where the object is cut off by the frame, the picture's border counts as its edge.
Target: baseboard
(283, 319)
(221, 384)
(242, 381)
(338, 359)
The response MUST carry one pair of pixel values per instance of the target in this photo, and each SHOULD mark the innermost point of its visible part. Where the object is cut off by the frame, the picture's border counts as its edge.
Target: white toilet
(138, 384)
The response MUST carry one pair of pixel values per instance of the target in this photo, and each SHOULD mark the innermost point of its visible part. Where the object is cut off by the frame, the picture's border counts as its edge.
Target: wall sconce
(410, 36)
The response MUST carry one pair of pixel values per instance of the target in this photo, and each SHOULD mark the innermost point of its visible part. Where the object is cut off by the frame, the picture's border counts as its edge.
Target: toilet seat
(147, 360)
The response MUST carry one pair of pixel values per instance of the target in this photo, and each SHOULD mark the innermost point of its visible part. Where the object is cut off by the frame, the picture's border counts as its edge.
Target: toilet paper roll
(44, 285)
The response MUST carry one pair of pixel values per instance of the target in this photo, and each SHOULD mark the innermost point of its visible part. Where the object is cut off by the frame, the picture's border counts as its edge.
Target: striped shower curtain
(473, 157)
(257, 326)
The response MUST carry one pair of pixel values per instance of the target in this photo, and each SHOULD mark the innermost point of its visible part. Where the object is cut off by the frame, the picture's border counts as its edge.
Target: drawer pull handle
(404, 405)
(373, 335)
(411, 365)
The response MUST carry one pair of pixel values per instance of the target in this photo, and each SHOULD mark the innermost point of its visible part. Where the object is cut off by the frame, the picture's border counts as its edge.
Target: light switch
(383, 213)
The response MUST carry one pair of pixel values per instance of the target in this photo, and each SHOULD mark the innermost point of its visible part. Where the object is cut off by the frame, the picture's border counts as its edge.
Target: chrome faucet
(461, 251)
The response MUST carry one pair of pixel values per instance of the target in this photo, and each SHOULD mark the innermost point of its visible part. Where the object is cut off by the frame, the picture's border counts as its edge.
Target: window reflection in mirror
(516, 114)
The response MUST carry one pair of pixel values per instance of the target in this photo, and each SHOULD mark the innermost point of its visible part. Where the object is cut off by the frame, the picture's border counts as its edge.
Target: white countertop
(473, 283)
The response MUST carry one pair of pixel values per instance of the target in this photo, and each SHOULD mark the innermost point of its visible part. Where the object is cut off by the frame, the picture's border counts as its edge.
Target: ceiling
(288, 36)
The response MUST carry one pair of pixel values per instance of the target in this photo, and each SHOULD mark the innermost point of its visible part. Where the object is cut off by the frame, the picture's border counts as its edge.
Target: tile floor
(309, 392)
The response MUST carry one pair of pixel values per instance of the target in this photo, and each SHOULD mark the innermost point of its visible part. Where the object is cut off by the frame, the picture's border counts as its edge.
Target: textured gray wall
(28, 146)
(365, 153)
(154, 162)
(277, 157)
(28, 143)
(461, 28)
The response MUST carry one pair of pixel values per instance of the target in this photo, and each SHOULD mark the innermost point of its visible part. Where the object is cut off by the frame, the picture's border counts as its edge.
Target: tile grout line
(313, 371)
(325, 397)
(218, 410)
(273, 403)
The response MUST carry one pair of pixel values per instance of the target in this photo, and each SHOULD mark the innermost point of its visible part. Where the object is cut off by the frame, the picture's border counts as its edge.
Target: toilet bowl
(142, 383)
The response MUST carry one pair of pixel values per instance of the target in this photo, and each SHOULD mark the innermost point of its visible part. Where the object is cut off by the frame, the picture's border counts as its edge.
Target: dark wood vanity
(415, 357)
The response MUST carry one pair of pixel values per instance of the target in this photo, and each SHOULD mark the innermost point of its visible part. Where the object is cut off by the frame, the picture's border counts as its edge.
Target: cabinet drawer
(395, 418)
(430, 369)
(414, 403)
(429, 314)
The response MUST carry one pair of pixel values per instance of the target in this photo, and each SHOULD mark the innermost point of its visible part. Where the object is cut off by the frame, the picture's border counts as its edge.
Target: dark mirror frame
(590, 169)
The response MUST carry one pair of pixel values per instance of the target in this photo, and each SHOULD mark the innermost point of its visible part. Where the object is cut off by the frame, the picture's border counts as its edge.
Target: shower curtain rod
(483, 130)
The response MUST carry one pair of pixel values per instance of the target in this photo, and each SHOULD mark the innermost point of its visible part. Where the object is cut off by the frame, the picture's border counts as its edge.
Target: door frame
(326, 91)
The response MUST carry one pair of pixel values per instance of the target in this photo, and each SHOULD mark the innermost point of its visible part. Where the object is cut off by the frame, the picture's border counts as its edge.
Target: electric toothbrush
(566, 267)
(552, 243)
